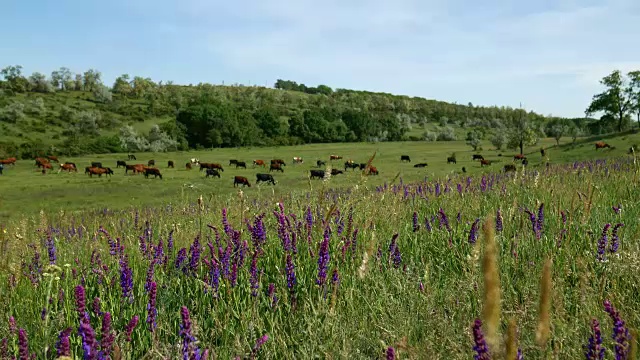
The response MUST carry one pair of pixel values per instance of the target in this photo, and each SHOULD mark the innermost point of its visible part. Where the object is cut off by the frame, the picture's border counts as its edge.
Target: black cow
(212, 172)
(152, 171)
(350, 165)
(464, 170)
(420, 165)
(241, 164)
(405, 158)
(363, 166)
(478, 157)
(317, 174)
(321, 163)
(170, 164)
(132, 157)
(268, 178)
(233, 162)
(121, 163)
(151, 163)
(525, 162)
(96, 164)
(451, 160)
(509, 167)
(336, 172)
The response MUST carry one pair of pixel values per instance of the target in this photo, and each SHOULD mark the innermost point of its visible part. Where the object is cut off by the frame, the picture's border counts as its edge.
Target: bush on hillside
(447, 134)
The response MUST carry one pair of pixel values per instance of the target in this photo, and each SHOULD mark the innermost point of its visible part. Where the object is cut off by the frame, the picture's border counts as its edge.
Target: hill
(71, 114)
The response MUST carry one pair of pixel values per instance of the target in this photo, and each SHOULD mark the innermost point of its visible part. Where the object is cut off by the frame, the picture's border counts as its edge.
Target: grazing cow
(363, 166)
(464, 170)
(188, 166)
(519, 157)
(525, 162)
(268, 178)
(152, 171)
(317, 174)
(278, 161)
(121, 163)
(542, 152)
(420, 165)
(321, 163)
(237, 180)
(477, 157)
(135, 168)
(132, 157)
(1, 168)
(151, 163)
(241, 164)
(336, 172)
(233, 162)
(451, 160)
(68, 167)
(211, 166)
(41, 161)
(509, 167)
(351, 165)
(602, 145)
(276, 167)
(212, 172)
(96, 164)
(335, 157)
(372, 170)
(632, 149)
(194, 161)
(53, 158)
(170, 164)
(47, 166)
(404, 158)
(99, 171)
(9, 161)
(297, 160)
(258, 163)
(484, 162)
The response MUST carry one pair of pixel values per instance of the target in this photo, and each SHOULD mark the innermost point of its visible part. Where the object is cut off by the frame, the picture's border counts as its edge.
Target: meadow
(395, 266)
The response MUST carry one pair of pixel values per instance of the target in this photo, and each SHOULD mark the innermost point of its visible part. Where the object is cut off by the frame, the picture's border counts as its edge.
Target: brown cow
(53, 158)
(335, 157)
(297, 160)
(372, 171)
(241, 180)
(100, 171)
(188, 166)
(276, 167)
(68, 167)
(137, 168)
(602, 145)
(519, 157)
(9, 161)
(41, 161)
(509, 167)
(278, 161)
(210, 166)
(170, 164)
(258, 163)
(484, 162)
(152, 171)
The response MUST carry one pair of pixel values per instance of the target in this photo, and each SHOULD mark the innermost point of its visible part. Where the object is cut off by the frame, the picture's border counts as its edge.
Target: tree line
(89, 116)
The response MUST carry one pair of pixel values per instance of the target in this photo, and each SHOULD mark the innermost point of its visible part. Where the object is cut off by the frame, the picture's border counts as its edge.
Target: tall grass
(335, 273)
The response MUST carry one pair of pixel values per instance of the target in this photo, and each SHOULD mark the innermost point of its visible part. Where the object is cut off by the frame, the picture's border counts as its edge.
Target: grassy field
(338, 271)
(23, 189)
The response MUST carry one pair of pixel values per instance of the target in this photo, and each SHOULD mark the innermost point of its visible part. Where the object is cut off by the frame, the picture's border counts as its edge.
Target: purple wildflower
(594, 349)
(620, 332)
(615, 241)
(195, 251)
(51, 248)
(444, 220)
(150, 272)
(108, 337)
(390, 353)
(23, 345)
(12, 325)
(473, 233)
(214, 275)
(534, 221)
(225, 222)
(416, 225)
(180, 258)
(151, 306)
(96, 306)
(63, 346)
(480, 347)
(126, 279)
(617, 209)
(89, 343)
(498, 220)
(261, 341)
(128, 329)
(602, 243)
(427, 224)
(335, 277)
(323, 258)
(540, 220)
(272, 294)
(189, 349)
(291, 274)
(254, 274)
(81, 301)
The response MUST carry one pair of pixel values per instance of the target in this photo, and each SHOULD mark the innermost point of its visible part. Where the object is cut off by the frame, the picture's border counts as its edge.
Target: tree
(39, 83)
(159, 141)
(615, 101)
(634, 83)
(92, 78)
(78, 83)
(13, 76)
(521, 132)
(557, 131)
(474, 138)
(62, 79)
(122, 86)
(131, 141)
(13, 113)
(87, 123)
(102, 93)
(498, 139)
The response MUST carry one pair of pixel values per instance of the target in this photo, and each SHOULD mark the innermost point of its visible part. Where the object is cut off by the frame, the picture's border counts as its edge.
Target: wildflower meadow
(541, 263)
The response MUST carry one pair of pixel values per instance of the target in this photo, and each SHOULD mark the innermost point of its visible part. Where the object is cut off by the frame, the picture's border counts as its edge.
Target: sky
(548, 55)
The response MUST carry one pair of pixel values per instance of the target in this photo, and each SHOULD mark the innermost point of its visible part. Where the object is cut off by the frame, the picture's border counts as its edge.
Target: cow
(484, 162)
(152, 171)
(241, 180)
(70, 163)
(335, 157)
(602, 145)
(99, 171)
(525, 162)
(188, 166)
(519, 157)
(96, 164)
(420, 165)
(241, 164)
(132, 157)
(1, 168)
(212, 173)
(321, 163)
(233, 162)
(336, 172)
(53, 158)
(135, 168)
(451, 160)
(268, 178)
(121, 163)
(258, 163)
(277, 167)
(151, 163)
(170, 164)
(350, 165)
(41, 161)
(278, 161)
(211, 166)
(297, 160)
(404, 158)
(9, 161)
(477, 157)
(372, 170)
(509, 167)
(464, 170)
(542, 152)
(194, 161)
(363, 166)
(68, 167)
(317, 174)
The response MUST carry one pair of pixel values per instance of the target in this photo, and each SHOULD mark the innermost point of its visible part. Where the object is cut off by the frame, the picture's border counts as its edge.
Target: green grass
(24, 189)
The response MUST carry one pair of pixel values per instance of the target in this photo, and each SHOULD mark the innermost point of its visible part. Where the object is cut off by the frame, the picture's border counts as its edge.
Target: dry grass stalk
(511, 344)
(633, 345)
(544, 307)
(491, 311)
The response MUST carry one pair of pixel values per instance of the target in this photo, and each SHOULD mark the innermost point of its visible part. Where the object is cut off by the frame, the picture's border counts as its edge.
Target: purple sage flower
(480, 344)
(152, 311)
(128, 329)
(473, 233)
(63, 346)
(594, 349)
(602, 243)
(23, 345)
(390, 353)
(620, 332)
(615, 241)
(416, 225)
(108, 337)
(323, 258)
(498, 220)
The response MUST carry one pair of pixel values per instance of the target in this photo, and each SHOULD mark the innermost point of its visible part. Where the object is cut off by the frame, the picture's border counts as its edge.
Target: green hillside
(69, 114)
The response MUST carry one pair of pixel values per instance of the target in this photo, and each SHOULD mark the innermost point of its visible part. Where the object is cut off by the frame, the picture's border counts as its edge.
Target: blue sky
(547, 54)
